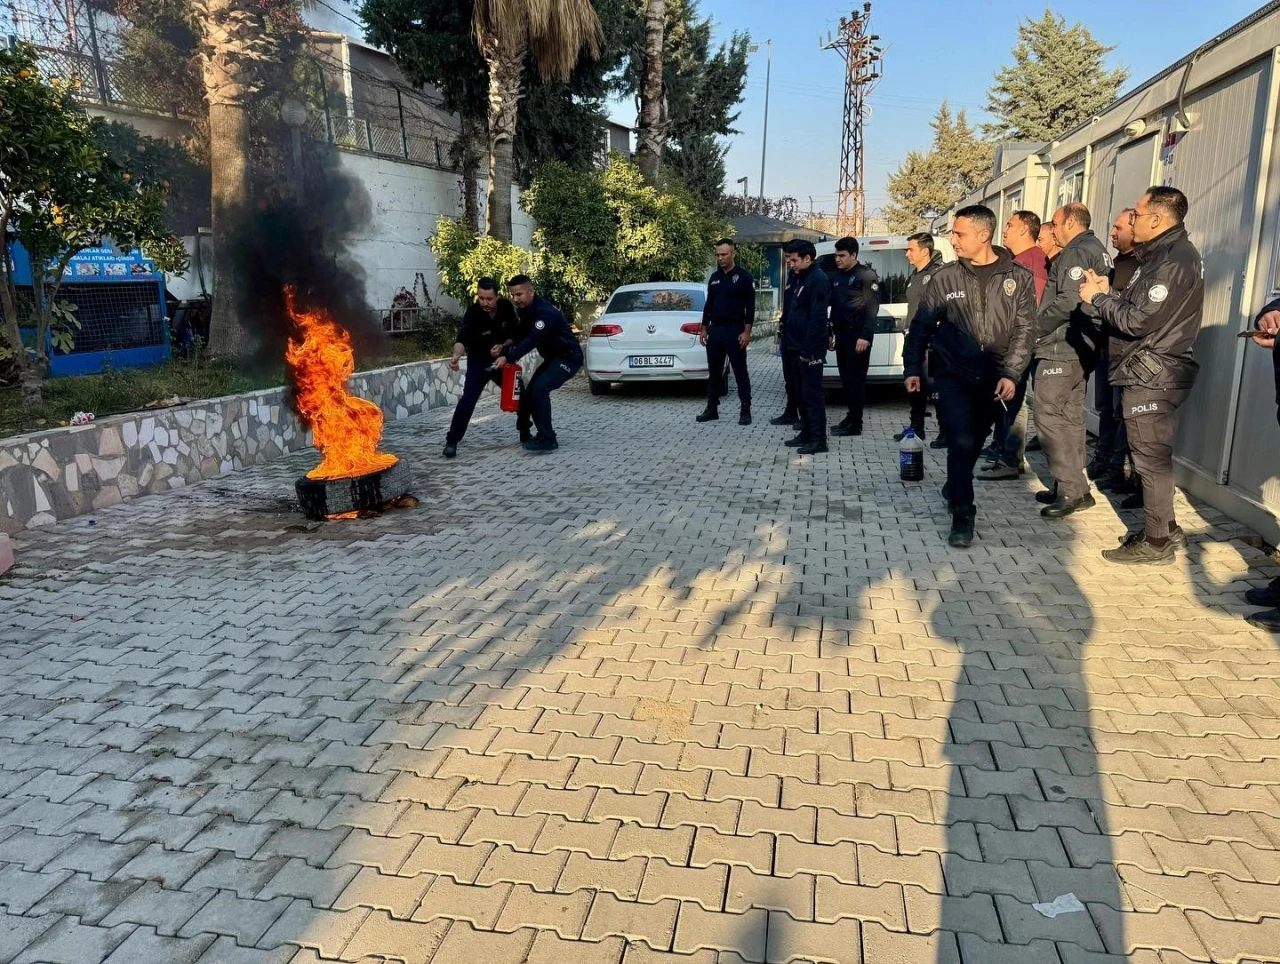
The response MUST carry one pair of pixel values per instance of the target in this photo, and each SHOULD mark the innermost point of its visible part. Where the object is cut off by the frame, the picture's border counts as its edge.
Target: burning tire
(322, 498)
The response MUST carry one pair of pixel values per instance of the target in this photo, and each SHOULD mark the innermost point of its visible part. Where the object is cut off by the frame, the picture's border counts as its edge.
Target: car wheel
(598, 388)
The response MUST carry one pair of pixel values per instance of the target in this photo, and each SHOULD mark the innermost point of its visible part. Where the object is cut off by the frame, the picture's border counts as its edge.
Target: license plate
(653, 361)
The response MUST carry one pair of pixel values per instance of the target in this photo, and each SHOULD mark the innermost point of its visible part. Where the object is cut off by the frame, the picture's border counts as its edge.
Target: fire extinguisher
(512, 386)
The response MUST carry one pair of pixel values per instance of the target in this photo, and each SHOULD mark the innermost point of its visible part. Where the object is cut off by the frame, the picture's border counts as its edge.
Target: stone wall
(71, 471)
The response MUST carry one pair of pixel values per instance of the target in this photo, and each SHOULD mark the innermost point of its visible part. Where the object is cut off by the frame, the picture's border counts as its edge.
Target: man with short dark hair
(554, 339)
(1153, 326)
(1047, 242)
(727, 317)
(925, 260)
(806, 336)
(1067, 349)
(1107, 467)
(1021, 232)
(976, 318)
(487, 327)
(855, 302)
(1266, 329)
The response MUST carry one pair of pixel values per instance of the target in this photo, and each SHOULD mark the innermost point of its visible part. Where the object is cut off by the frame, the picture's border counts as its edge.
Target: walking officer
(1068, 345)
(1107, 467)
(1153, 328)
(806, 336)
(727, 317)
(977, 320)
(488, 326)
(924, 261)
(855, 302)
(790, 416)
(553, 338)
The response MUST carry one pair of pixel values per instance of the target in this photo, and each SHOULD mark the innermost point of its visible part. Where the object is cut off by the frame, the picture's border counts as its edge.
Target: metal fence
(101, 81)
(362, 134)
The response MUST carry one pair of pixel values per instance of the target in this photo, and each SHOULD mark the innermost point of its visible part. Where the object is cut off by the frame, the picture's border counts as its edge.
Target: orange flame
(345, 429)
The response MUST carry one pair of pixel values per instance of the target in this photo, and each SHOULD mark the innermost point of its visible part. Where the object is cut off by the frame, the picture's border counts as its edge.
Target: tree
(651, 133)
(60, 192)
(785, 208)
(555, 33)
(928, 183)
(1057, 81)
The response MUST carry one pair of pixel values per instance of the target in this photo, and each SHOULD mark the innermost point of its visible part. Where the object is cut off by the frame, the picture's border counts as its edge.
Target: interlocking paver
(691, 675)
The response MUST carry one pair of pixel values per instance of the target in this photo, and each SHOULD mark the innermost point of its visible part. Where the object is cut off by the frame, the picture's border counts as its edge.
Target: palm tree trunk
(652, 133)
(506, 69)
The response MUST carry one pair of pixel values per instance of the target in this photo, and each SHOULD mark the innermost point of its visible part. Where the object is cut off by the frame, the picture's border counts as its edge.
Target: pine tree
(929, 182)
(1057, 81)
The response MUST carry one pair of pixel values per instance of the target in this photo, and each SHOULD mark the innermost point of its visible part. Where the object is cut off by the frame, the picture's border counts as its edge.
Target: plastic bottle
(910, 457)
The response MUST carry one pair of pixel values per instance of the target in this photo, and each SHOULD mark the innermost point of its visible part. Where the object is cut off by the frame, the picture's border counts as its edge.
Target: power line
(863, 68)
(344, 16)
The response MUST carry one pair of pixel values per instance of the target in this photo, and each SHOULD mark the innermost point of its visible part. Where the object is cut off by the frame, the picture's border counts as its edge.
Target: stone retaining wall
(71, 471)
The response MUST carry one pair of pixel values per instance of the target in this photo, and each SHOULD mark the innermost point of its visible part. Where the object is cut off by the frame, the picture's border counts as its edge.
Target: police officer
(855, 302)
(1107, 466)
(806, 336)
(550, 334)
(1068, 344)
(1153, 328)
(727, 317)
(487, 327)
(1266, 328)
(977, 320)
(790, 416)
(924, 261)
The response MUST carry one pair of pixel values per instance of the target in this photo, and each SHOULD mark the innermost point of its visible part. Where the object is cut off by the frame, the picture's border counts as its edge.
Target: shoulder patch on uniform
(1010, 286)
(875, 286)
(1158, 293)
(1076, 273)
(539, 325)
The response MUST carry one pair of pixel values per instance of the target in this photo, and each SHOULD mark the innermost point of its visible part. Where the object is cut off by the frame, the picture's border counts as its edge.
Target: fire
(346, 429)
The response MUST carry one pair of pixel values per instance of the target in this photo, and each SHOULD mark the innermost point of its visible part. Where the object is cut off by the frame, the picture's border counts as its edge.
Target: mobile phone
(1252, 332)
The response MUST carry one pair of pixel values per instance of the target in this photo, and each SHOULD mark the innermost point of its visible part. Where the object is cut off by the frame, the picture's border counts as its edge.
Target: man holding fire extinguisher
(551, 335)
(489, 325)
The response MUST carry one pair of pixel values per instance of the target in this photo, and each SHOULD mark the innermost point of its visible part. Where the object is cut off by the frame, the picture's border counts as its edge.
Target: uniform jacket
(808, 303)
(1275, 352)
(972, 329)
(1122, 268)
(917, 283)
(855, 301)
(479, 331)
(1065, 327)
(549, 333)
(731, 298)
(1159, 312)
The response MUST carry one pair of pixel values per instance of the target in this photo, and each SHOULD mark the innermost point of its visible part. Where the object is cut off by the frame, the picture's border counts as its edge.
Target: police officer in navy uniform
(855, 302)
(1068, 346)
(553, 338)
(806, 336)
(487, 328)
(727, 317)
(1153, 326)
(790, 416)
(925, 262)
(1266, 328)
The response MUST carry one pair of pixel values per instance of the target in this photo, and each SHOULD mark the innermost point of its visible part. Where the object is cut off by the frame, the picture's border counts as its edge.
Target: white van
(887, 256)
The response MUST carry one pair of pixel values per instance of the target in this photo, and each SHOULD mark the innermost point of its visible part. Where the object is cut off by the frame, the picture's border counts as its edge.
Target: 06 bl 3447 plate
(652, 361)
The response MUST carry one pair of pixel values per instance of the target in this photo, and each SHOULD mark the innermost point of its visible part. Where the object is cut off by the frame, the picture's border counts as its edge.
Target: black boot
(961, 536)
(785, 418)
(744, 416)
(709, 414)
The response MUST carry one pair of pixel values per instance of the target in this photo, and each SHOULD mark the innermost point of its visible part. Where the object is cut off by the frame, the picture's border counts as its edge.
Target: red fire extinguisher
(512, 385)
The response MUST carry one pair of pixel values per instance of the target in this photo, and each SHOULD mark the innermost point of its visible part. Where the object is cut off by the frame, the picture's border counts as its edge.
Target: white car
(888, 257)
(648, 332)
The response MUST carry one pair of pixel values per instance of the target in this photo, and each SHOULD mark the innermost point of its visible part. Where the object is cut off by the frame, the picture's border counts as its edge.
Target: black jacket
(1065, 326)
(479, 331)
(1122, 269)
(1160, 312)
(1275, 352)
(549, 333)
(855, 301)
(804, 326)
(974, 330)
(918, 282)
(731, 298)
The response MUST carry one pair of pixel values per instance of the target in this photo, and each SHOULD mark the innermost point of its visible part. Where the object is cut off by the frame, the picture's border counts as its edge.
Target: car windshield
(656, 299)
(889, 263)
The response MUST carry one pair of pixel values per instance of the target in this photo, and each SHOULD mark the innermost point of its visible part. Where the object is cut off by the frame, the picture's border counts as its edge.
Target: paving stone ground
(672, 694)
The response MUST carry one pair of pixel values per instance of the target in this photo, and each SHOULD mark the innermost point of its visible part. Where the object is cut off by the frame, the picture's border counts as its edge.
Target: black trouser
(477, 376)
(1011, 424)
(791, 381)
(535, 401)
(722, 343)
(853, 374)
(919, 405)
(813, 403)
(1113, 444)
(969, 410)
(1150, 424)
(1060, 394)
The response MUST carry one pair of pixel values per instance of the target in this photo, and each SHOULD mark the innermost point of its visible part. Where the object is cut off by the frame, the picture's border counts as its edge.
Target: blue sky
(934, 49)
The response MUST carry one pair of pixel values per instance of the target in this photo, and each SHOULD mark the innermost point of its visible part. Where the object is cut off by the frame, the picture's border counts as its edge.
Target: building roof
(759, 229)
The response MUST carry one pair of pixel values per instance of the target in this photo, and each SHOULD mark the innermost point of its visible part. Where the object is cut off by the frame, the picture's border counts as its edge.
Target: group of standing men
(985, 329)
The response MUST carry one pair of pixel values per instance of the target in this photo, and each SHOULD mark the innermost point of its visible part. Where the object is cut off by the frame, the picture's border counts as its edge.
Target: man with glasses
(1153, 326)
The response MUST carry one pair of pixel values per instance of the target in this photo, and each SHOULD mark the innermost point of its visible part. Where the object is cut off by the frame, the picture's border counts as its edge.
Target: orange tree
(60, 192)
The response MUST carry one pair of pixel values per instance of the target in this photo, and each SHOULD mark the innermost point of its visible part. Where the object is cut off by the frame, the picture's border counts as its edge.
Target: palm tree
(555, 32)
(652, 131)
